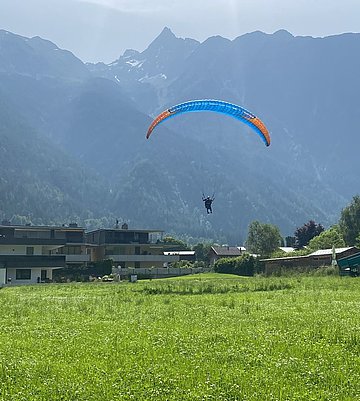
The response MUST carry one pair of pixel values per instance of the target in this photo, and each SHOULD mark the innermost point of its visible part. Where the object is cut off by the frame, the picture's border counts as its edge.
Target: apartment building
(130, 248)
(29, 254)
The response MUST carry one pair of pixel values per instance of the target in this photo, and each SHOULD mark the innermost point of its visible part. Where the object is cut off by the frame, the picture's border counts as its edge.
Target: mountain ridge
(98, 114)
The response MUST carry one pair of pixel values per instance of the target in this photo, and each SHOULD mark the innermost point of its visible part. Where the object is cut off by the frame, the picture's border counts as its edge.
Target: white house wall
(35, 273)
(2, 276)
(19, 249)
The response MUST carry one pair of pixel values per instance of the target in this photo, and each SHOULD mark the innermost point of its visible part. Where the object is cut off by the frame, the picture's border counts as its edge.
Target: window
(71, 250)
(109, 250)
(29, 250)
(31, 234)
(75, 236)
(23, 274)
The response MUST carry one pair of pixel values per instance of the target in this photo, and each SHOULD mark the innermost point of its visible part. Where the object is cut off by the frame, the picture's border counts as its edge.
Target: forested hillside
(73, 141)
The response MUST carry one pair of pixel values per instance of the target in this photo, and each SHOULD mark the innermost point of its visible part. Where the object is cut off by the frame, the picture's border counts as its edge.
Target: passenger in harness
(208, 202)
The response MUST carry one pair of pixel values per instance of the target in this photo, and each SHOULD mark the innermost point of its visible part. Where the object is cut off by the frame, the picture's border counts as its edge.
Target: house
(217, 252)
(29, 254)
(129, 248)
(322, 257)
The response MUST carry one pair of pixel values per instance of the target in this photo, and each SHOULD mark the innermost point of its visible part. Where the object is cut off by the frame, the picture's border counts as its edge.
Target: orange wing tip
(156, 121)
(261, 126)
(149, 132)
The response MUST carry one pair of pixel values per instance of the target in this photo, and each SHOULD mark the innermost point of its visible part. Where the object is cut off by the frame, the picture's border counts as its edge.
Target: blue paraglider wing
(217, 106)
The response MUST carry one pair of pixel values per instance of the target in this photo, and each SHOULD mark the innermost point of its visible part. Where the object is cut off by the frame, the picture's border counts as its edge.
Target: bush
(82, 273)
(245, 265)
(281, 271)
(326, 271)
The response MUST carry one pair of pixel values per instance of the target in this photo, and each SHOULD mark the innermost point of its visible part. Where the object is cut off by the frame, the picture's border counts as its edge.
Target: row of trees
(264, 239)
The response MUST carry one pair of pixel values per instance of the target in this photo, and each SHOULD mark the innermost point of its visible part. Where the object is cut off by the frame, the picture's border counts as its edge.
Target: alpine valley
(73, 147)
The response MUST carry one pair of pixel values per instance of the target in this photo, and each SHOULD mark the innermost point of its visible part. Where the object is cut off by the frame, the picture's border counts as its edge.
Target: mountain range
(73, 147)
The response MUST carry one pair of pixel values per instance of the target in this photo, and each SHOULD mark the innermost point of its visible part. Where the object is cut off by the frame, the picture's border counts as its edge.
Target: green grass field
(206, 337)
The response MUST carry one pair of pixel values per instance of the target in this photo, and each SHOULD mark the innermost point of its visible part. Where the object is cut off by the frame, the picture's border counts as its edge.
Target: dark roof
(226, 250)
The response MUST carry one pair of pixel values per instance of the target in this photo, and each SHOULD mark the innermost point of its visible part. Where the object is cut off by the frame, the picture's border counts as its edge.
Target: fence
(156, 272)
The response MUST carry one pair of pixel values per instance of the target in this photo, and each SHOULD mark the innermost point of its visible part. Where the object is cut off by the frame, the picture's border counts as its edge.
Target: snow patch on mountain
(154, 79)
(135, 63)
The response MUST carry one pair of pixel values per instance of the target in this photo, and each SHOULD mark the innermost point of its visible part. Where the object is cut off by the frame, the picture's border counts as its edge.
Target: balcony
(31, 241)
(77, 258)
(29, 261)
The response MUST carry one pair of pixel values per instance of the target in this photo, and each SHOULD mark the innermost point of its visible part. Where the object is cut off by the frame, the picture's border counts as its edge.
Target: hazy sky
(100, 30)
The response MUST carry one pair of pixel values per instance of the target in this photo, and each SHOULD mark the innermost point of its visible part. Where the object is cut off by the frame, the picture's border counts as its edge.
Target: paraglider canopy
(217, 106)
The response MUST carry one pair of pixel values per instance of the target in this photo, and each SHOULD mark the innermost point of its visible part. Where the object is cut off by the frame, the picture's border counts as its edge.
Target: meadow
(204, 337)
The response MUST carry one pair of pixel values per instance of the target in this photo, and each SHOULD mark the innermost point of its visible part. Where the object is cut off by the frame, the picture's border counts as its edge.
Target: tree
(349, 222)
(357, 243)
(202, 252)
(263, 239)
(178, 244)
(307, 232)
(290, 241)
(327, 239)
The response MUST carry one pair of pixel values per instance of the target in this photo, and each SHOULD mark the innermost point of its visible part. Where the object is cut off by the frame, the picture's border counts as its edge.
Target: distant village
(31, 254)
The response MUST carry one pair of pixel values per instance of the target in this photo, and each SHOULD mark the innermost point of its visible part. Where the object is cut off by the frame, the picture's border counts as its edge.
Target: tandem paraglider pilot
(208, 202)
